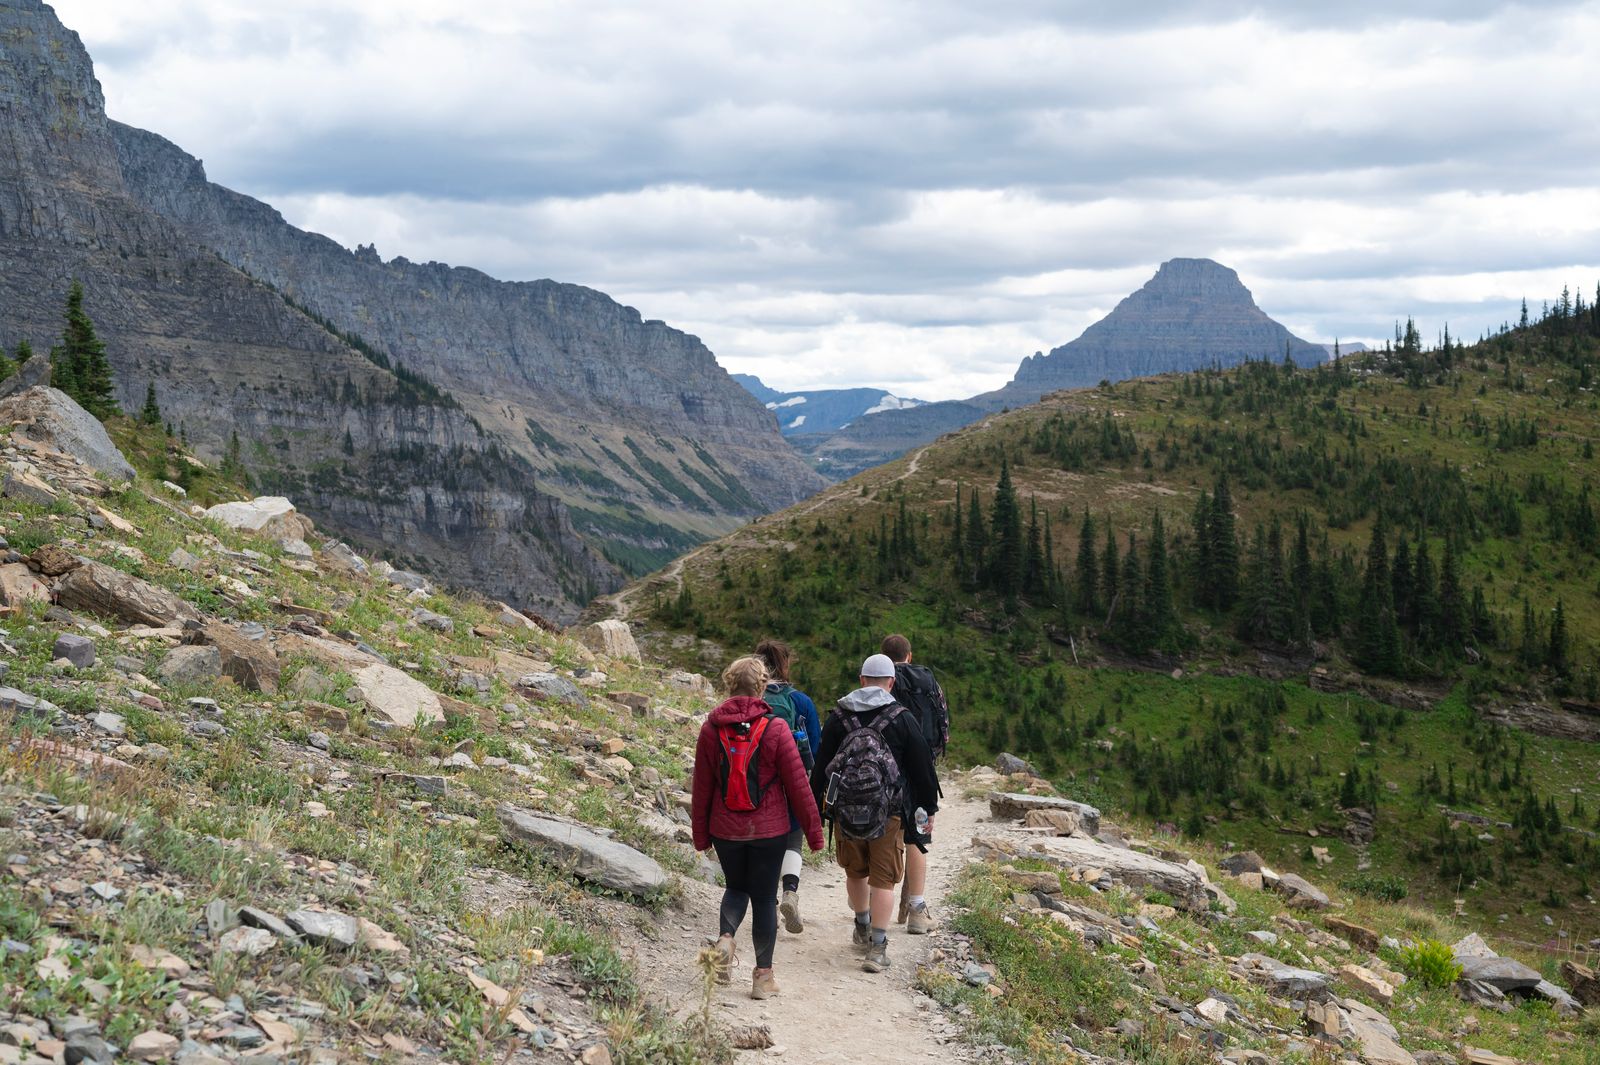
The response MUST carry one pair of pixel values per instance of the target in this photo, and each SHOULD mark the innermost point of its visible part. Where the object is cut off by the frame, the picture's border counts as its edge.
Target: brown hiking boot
(919, 922)
(763, 984)
(877, 959)
(790, 909)
(860, 936)
(726, 960)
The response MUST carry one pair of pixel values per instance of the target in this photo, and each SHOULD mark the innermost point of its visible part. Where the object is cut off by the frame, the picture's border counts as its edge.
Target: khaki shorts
(880, 862)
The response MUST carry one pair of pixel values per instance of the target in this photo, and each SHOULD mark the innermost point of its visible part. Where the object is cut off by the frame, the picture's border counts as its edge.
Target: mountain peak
(1192, 313)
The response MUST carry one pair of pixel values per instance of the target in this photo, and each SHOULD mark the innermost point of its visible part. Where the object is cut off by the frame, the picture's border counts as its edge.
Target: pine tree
(232, 466)
(1006, 564)
(1035, 581)
(1400, 577)
(1377, 635)
(1088, 583)
(1302, 578)
(80, 367)
(24, 352)
(1556, 652)
(1452, 623)
(1161, 619)
(1425, 597)
(7, 367)
(1200, 555)
(1110, 571)
(977, 538)
(1128, 616)
(150, 413)
(1224, 549)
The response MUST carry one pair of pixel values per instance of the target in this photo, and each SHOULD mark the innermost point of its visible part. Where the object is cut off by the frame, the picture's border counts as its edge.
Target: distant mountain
(1192, 314)
(533, 441)
(822, 410)
(1345, 348)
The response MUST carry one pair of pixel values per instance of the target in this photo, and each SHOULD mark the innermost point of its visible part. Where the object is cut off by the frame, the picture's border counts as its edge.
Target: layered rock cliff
(527, 440)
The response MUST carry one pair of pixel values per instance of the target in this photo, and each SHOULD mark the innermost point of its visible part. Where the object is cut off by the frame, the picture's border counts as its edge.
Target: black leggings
(750, 868)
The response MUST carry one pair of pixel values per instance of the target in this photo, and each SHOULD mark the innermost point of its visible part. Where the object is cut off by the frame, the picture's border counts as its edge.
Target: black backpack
(864, 783)
(918, 692)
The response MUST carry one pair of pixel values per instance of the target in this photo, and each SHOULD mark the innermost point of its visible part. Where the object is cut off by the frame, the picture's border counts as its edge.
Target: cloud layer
(915, 195)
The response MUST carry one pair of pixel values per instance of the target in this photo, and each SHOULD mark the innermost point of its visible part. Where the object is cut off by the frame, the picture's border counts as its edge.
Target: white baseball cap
(877, 667)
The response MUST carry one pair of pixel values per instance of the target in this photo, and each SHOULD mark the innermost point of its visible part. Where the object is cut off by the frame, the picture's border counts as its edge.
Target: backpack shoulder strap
(886, 717)
(850, 720)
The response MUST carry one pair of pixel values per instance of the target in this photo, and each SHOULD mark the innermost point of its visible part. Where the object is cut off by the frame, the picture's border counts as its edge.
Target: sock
(791, 882)
(792, 865)
(880, 935)
(864, 918)
(914, 901)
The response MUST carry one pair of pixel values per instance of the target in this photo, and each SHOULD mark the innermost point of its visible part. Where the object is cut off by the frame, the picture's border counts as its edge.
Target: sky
(909, 195)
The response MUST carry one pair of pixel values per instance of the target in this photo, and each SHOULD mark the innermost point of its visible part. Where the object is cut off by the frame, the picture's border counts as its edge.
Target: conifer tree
(1161, 619)
(1006, 564)
(7, 367)
(1034, 579)
(1223, 547)
(1452, 623)
(1377, 635)
(977, 537)
(1425, 597)
(150, 413)
(1301, 579)
(1128, 616)
(1088, 583)
(1110, 571)
(1556, 652)
(24, 352)
(79, 364)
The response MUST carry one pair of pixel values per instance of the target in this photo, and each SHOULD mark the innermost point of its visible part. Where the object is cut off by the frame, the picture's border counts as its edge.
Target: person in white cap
(874, 771)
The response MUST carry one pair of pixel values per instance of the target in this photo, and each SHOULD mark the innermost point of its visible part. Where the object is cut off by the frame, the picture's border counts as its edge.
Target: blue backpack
(780, 697)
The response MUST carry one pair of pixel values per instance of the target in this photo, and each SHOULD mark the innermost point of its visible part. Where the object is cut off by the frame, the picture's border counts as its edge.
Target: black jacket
(905, 741)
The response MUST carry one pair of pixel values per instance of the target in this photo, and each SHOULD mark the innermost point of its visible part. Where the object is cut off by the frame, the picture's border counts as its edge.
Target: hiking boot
(790, 908)
(900, 915)
(919, 922)
(861, 937)
(726, 960)
(877, 959)
(763, 984)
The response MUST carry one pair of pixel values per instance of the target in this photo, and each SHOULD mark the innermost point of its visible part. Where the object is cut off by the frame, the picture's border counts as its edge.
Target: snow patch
(889, 402)
(797, 423)
(792, 401)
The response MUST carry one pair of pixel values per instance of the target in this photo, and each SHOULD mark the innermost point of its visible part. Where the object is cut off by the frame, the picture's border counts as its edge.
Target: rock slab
(593, 857)
(50, 417)
(1015, 806)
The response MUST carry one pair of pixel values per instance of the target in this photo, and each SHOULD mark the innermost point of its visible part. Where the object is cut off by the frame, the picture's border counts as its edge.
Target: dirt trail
(829, 1012)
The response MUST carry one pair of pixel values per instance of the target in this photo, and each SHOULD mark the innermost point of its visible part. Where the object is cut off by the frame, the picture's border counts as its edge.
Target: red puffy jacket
(784, 788)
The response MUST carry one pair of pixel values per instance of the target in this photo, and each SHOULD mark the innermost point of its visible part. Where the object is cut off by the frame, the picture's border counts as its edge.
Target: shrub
(1384, 888)
(1431, 962)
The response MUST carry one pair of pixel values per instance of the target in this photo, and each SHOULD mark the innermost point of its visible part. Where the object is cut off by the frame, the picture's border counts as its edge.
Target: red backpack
(741, 763)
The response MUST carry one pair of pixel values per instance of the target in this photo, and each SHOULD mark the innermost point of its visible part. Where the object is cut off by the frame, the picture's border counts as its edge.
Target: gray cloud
(911, 193)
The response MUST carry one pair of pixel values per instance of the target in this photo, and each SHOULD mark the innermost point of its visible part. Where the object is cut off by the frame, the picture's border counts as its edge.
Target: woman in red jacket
(748, 780)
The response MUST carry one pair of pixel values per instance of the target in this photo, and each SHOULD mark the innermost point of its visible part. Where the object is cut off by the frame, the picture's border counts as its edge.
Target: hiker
(797, 710)
(874, 773)
(749, 784)
(916, 689)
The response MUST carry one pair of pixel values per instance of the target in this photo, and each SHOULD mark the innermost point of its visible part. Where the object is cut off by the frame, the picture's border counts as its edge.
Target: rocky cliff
(1193, 313)
(530, 440)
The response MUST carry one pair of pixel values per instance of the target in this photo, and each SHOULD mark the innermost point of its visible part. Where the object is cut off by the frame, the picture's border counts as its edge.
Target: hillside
(534, 441)
(1295, 680)
(264, 800)
(1193, 314)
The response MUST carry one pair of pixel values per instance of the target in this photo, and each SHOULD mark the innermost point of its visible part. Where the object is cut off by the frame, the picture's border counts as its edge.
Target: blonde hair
(745, 676)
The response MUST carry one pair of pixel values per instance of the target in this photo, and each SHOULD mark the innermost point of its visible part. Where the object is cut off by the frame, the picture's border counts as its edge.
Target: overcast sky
(914, 195)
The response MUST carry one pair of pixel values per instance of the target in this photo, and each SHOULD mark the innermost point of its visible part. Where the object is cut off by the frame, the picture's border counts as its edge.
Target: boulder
(430, 620)
(1478, 1056)
(411, 582)
(1379, 1041)
(1015, 806)
(1585, 985)
(190, 666)
(1010, 765)
(18, 585)
(49, 417)
(1243, 862)
(1284, 979)
(593, 857)
(268, 517)
(26, 488)
(1060, 822)
(396, 697)
(1506, 974)
(1367, 982)
(99, 589)
(1187, 890)
(693, 683)
(341, 557)
(79, 650)
(1301, 893)
(611, 638)
(252, 663)
(31, 374)
(1564, 1003)
(1472, 946)
(554, 686)
(152, 1046)
(325, 929)
(1358, 935)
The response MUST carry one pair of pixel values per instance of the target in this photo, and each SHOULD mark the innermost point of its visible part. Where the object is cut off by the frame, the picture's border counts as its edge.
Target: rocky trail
(829, 1012)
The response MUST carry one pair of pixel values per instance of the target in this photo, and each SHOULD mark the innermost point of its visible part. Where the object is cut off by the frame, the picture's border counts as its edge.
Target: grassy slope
(811, 574)
(230, 817)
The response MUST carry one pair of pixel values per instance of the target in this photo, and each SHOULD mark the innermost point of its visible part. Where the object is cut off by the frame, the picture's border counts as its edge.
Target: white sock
(914, 901)
(791, 863)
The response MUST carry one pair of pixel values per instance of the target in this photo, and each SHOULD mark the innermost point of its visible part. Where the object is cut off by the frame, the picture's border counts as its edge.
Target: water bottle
(920, 819)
